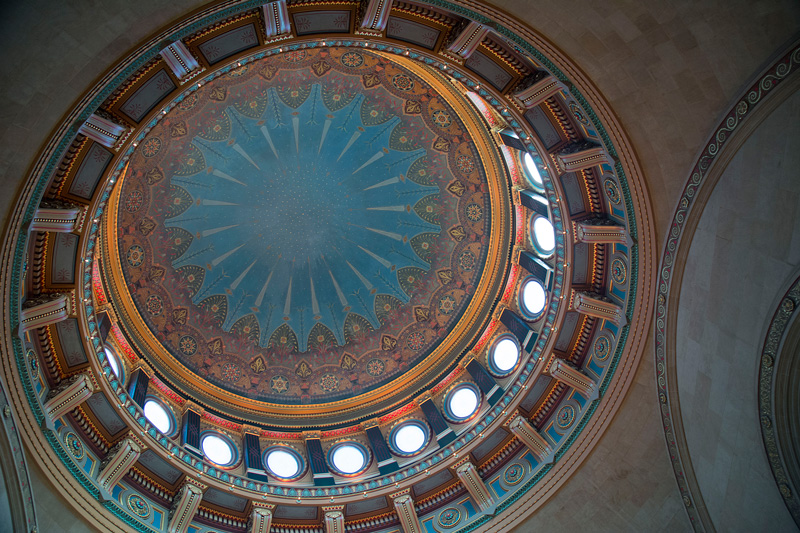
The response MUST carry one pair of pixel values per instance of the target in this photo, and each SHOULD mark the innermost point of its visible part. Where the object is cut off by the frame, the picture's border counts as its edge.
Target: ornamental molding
(766, 93)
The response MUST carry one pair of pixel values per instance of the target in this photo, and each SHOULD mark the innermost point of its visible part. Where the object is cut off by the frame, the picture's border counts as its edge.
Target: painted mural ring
(394, 236)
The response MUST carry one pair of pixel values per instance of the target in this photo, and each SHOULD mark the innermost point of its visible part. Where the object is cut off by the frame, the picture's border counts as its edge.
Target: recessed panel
(229, 43)
(412, 32)
(565, 335)
(322, 22)
(69, 336)
(489, 70)
(147, 96)
(90, 171)
(105, 413)
(65, 250)
(155, 464)
(223, 499)
(538, 120)
(572, 190)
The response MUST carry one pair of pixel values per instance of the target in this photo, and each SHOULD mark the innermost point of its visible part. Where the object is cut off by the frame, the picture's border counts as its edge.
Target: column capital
(581, 155)
(104, 131)
(45, 309)
(185, 505)
(470, 477)
(406, 512)
(334, 518)
(525, 432)
(571, 376)
(374, 17)
(260, 517)
(600, 231)
(182, 63)
(118, 462)
(69, 394)
(598, 306)
(536, 88)
(276, 21)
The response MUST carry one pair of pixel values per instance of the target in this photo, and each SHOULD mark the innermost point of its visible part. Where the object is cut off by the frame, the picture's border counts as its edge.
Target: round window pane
(158, 416)
(533, 297)
(348, 459)
(410, 438)
(463, 402)
(217, 450)
(112, 362)
(544, 236)
(531, 170)
(283, 463)
(505, 355)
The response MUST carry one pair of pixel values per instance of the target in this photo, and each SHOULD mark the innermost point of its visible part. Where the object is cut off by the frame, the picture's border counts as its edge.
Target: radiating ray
(395, 236)
(265, 131)
(238, 280)
(339, 292)
(296, 126)
(207, 232)
(244, 154)
(388, 208)
(287, 307)
(324, 134)
(214, 202)
(364, 280)
(224, 256)
(220, 174)
(314, 303)
(371, 160)
(264, 288)
(376, 257)
(384, 183)
(355, 136)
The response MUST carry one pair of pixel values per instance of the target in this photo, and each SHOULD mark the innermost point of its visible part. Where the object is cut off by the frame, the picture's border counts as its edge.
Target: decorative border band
(737, 115)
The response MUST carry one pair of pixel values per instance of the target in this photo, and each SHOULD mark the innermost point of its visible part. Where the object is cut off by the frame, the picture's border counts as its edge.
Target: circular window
(544, 236)
(504, 355)
(409, 438)
(532, 171)
(283, 462)
(348, 458)
(159, 416)
(462, 402)
(218, 449)
(532, 297)
(113, 362)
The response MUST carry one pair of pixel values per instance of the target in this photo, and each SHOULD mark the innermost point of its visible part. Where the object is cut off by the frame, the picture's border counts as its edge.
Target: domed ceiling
(306, 227)
(328, 266)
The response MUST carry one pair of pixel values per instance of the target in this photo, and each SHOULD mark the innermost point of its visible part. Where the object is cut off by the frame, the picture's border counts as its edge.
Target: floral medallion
(138, 506)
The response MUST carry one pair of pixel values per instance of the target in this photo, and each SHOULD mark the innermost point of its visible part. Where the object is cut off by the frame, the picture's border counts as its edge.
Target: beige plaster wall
(53, 51)
(744, 252)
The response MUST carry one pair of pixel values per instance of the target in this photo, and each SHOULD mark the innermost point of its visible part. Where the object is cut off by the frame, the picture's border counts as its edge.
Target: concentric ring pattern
(301, 232)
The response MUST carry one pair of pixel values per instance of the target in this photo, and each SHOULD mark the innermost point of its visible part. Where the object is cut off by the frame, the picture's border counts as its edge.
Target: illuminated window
(532, 171)
(532, 297)
(348, 458)
(543, 235)
(462, 403)
(409, 438)
(218, 449)
(283, 462)
(159, 416)
(113, 362)
(504, 355)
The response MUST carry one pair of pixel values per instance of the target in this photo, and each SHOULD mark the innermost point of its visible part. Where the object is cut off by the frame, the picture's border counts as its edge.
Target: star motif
(279, 384)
